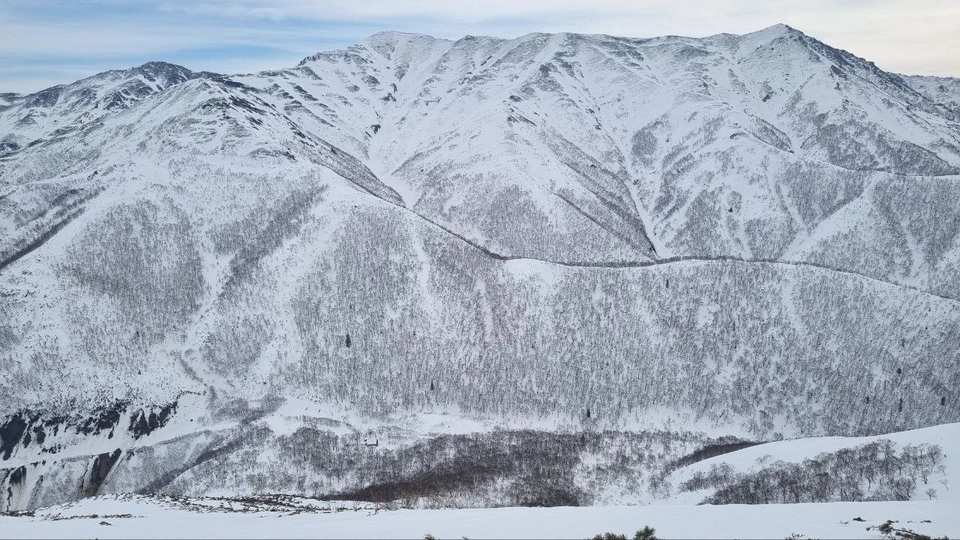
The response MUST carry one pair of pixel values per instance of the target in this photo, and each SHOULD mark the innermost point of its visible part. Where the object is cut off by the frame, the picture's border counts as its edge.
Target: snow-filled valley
(141, 516)
(558, 270)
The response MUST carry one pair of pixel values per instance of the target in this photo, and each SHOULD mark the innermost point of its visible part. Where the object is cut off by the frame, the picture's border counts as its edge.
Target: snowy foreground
(143, 517)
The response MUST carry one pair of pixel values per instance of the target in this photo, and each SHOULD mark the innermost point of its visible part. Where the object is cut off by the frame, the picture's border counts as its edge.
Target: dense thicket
(875, 471)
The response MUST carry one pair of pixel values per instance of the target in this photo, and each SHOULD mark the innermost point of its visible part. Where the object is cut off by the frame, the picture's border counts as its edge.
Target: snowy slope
(944, 91)
(751, 236)
(939, 474)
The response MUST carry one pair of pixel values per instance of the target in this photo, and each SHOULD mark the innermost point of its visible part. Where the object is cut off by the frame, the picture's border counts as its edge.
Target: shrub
(646, 533)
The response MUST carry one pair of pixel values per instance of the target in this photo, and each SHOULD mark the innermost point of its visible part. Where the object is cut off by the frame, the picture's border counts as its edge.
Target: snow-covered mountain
(619, 250)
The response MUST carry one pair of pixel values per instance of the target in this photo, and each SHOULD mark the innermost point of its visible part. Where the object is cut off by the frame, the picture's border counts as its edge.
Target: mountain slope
(753, 236)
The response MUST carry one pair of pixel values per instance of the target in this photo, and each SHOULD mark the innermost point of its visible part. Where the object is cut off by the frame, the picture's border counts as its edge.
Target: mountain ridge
(775, 28)
(676, 240)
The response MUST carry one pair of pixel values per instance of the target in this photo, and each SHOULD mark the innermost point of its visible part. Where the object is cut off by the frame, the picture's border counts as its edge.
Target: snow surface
(163, 519)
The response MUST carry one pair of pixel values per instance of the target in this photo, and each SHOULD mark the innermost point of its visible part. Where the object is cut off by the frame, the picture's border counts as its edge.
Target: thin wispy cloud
(45, 42)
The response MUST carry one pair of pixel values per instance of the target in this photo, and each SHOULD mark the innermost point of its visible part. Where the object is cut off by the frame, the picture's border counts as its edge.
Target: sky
(48, 42)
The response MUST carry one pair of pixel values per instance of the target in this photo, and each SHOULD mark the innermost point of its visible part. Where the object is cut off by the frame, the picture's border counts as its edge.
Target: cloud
(64, 36)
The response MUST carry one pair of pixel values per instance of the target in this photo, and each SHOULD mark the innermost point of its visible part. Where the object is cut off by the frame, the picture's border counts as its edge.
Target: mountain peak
(394, 35)
(770, 33)
(388, 42)
(157, 66)
(780, 35)
(777, 30)
(163, 72)
(153, 71)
